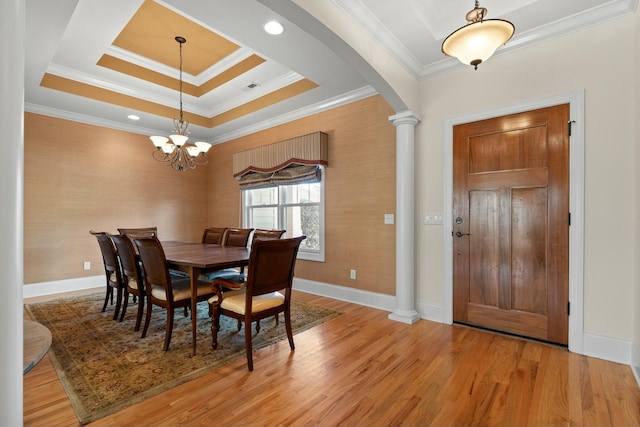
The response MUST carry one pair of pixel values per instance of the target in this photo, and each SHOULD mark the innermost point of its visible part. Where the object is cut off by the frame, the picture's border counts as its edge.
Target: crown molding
(319, 107)
(83, 118)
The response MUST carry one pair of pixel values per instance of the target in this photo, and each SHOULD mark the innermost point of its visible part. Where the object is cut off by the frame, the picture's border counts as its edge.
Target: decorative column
(12, 54)
(405, 311)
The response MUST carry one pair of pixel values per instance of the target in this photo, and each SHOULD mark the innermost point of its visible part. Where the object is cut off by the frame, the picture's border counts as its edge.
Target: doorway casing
(575, 100)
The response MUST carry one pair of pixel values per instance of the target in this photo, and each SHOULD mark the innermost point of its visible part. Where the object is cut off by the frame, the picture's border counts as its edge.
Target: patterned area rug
(104, 365)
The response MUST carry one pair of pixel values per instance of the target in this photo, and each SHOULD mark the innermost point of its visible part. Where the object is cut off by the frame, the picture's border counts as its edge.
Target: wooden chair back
(143, 231)
(237, 237)
(154, 263)
(109, 255)
(131, 275)
(271, 267)
(214, 235)
(267, 235)
(112, 270)
(127, 254)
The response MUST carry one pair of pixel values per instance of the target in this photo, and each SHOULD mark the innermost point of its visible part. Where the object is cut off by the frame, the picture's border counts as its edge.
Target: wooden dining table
(195, 258)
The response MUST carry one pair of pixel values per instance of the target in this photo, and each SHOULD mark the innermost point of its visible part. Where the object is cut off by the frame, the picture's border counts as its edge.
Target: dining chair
(147, 232)
(131, 276)
(266, 292)
(214, 235)
(231, 237)
(141, 231)
(237, 237)
(111, 269)
(266, 235)
(162, 289)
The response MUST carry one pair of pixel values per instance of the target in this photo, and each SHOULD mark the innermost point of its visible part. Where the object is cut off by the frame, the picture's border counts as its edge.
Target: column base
(405, 316)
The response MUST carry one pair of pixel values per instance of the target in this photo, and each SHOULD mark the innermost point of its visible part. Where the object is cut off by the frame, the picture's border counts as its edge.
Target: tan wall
(80, 177)
(360, 189)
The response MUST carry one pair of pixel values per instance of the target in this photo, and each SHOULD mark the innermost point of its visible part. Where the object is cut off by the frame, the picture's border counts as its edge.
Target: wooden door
(511, 223)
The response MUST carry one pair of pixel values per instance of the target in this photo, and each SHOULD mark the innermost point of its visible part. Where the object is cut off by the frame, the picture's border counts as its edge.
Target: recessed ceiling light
(274, 28)
(133, 117)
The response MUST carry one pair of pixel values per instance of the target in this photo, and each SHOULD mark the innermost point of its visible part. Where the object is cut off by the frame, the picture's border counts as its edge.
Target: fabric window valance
(290, 161)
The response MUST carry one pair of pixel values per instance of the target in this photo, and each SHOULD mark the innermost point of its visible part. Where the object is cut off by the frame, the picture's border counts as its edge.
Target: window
(297, 208)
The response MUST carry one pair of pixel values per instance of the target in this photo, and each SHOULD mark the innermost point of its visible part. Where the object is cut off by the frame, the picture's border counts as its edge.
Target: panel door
(511, 223)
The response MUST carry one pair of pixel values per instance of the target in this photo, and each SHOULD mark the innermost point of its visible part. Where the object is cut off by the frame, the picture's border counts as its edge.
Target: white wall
(636, 347)
(587, 60)
(12, 28)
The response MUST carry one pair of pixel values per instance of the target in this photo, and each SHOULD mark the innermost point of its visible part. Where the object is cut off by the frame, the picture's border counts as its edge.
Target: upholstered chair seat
(236, 301)
(181, 290)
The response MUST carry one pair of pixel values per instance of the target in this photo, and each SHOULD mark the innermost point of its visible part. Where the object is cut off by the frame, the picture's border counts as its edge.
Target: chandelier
(478, 40)
(175, 150)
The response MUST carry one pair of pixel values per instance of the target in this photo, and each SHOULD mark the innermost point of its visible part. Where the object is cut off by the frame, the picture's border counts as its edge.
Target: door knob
(460, 234)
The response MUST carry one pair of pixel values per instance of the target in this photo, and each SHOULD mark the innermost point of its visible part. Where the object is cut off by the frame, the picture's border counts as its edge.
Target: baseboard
(426, 311)
(635, 362)
(342, 293)
(608, 348)
(61, 286)
(432, 312)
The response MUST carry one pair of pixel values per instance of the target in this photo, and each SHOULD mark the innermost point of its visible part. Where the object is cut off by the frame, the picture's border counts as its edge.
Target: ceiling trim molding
(595, 16)
(89, 79)
(378, 32)
(83, 118)
(319, 107)
(261, 90)
(150, 64)
(211, 72)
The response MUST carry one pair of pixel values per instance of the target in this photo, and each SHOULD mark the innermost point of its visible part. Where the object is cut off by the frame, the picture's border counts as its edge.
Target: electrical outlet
(87, 265)
(388, 218)
(353, 275)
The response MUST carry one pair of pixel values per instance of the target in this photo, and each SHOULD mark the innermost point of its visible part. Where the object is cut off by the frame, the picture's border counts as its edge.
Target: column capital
(405, 117)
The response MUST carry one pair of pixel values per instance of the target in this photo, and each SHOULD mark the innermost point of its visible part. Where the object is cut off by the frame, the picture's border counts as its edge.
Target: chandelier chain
(176, 150)
(180, 41)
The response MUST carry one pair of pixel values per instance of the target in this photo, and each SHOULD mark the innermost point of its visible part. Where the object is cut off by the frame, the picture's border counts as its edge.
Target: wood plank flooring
(362, 369)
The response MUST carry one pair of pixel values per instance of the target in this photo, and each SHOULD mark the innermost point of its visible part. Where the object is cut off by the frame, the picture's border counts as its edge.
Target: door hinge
(569, 126)
(569, 218)
(568, 308)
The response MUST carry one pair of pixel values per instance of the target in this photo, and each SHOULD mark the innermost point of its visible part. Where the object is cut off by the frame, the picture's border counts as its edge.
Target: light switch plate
(433, 219)
(388, 218)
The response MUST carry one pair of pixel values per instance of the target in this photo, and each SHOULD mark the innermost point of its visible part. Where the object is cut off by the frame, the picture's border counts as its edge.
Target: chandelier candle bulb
(158, 141)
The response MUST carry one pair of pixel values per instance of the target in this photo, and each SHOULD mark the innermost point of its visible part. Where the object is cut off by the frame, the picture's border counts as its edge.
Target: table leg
(195, 272)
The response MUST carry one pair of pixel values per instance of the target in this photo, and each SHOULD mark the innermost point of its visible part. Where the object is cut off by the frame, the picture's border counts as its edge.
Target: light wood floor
(362, 369)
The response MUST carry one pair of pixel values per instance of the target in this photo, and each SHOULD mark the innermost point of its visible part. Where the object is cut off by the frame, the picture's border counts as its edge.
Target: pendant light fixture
(478, 40)
(175, 150)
